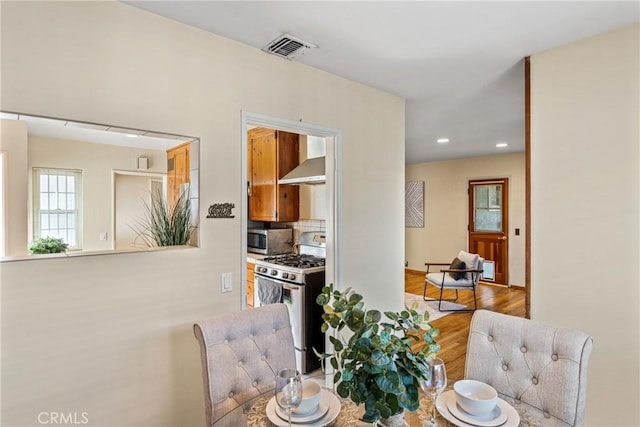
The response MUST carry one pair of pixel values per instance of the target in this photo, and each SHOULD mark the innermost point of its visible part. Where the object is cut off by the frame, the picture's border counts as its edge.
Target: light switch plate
(226, 282)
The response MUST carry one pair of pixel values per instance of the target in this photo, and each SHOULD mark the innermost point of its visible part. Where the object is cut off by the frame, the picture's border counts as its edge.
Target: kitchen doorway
(332, 138)
(131, 191)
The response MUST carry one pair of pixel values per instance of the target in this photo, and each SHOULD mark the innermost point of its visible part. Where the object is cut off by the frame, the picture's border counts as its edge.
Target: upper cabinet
(178, 171)
(272, 154)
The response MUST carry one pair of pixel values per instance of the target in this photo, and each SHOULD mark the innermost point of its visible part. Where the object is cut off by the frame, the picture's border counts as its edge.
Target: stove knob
(285, 275)
(274, 272)
(262, 269)
(292, 276)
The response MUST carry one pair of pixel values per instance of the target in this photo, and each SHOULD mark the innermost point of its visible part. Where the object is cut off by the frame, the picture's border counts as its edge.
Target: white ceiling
(458, 64)
(96, 133)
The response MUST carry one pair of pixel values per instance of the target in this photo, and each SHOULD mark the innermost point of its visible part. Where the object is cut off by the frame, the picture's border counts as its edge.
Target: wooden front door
(488, 224)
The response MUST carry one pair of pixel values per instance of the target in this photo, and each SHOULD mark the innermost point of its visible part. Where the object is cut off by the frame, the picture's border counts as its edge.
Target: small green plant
(48, 245)
(164, 225)
(377, 365)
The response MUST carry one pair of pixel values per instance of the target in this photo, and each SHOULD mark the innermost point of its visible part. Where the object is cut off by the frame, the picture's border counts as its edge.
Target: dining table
(254, 413)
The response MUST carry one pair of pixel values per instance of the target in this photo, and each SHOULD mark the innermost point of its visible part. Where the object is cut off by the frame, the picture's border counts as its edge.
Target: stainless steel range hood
(311, 171)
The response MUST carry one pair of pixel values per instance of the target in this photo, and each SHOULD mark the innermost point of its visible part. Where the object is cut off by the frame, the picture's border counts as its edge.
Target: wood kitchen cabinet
(250, 267)
(271, 155)
(178, 171)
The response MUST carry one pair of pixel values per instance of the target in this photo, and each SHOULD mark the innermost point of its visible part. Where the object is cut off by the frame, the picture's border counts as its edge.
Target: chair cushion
(445, 279)
(470, 260)
(458, 264)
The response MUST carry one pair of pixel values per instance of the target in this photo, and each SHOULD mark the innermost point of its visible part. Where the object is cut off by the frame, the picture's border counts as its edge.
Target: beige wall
(446, 209)
(13, 141)
(111, 335)
(585, 196)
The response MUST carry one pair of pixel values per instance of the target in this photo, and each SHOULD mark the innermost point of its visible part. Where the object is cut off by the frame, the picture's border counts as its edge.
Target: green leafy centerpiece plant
(377, 365)
(48, 245)
(164, 224)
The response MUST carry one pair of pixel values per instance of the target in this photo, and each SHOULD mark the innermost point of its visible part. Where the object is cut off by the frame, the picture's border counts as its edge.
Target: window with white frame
(57, 204)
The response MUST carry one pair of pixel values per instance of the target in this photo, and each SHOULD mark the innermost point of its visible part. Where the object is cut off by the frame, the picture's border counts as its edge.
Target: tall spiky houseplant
(164, 224)
(377, 365)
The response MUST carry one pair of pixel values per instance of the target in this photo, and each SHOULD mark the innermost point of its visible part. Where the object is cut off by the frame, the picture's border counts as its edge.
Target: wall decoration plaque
(414, 204)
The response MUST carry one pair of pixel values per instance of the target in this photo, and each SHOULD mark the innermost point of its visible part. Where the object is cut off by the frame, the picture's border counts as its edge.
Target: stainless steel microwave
(272, 241)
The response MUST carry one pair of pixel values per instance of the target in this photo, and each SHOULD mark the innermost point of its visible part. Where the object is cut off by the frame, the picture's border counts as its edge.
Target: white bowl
(310, 398)
(475, 397)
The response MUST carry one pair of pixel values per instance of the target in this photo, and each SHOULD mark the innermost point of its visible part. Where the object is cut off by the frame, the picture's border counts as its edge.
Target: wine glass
(434, 384)
(288, 390)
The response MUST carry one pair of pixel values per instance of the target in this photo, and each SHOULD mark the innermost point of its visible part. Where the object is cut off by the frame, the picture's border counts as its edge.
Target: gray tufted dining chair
(241, 352)
(540, 369)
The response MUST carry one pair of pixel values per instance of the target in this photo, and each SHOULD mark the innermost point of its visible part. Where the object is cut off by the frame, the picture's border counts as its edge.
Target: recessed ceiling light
(130, 135)
(502, 144)
(442, 140)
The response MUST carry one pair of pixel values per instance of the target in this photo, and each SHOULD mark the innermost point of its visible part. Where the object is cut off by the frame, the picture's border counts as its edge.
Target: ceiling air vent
(287, 46)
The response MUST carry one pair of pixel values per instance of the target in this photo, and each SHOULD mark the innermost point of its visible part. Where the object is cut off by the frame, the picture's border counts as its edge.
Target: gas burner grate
(297, 261)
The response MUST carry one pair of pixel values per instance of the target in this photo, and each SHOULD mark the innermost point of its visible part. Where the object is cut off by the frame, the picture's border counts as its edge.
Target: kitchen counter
(251, 257)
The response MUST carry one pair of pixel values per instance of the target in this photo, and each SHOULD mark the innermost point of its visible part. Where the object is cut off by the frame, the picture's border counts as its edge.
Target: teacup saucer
(327, 399)
(492, 419)
(305, 418)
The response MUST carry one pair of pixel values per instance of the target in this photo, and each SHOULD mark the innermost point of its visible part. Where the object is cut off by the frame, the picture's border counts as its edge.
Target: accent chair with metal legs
(463, 274)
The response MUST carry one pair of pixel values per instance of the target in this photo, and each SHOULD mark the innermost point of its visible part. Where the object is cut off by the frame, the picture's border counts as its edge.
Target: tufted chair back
(241, 352)
(540, 368)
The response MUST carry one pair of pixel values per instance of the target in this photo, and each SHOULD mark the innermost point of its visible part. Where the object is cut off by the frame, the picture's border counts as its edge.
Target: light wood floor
(454, 328)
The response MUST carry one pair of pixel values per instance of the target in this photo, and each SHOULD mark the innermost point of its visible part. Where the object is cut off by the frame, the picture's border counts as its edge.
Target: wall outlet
(103, 235)
(226, 282)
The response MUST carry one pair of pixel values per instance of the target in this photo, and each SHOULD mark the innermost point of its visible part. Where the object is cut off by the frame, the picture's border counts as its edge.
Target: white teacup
(310, 398)
(475, 397)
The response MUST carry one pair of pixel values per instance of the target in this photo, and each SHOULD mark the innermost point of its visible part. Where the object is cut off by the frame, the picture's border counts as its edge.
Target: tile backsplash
(305, 225)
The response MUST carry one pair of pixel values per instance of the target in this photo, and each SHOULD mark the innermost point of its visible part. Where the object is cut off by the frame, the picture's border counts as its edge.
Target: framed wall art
(414, 204)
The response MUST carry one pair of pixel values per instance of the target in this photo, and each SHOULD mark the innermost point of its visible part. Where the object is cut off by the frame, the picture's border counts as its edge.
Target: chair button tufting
(273, 330)
(251, 336)
(546, 414)
(516, 400)
(490, 338)
(240, 363)
(255, 383)
(534, 380)
(505, 367)
(523, 349)
(230, 394)
(226, 341)
(554, 357)
(263, 358)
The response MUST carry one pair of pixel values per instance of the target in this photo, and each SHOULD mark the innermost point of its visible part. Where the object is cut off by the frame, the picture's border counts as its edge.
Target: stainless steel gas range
(297, 280)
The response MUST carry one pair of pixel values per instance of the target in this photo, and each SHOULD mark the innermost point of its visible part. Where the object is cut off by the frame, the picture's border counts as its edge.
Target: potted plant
(377, 365)
(165, 225)
(48, 245)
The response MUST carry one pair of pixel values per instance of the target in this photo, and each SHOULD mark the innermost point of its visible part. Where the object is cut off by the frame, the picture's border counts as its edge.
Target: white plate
(320, 412)
(492, 419)
(328, 399)
(513, 418)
